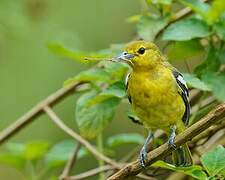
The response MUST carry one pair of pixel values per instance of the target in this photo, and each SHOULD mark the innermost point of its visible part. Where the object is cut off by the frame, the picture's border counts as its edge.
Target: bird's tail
(182, 156)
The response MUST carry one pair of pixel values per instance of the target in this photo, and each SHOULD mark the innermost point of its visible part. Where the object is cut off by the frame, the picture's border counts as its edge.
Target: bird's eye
(141, 50)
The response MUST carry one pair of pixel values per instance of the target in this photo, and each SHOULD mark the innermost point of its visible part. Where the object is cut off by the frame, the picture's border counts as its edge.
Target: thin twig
(36, 111)
(77, 137)
(91, 172)
(70, 163)
(210, 119)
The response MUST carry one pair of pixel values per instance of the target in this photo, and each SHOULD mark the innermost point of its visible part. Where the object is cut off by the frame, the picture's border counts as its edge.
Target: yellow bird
(158, 95)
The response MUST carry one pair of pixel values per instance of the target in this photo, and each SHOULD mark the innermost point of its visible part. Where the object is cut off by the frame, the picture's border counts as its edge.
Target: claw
(171, 143)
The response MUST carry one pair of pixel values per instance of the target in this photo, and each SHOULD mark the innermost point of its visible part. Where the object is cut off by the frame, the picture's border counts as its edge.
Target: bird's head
(141, 54)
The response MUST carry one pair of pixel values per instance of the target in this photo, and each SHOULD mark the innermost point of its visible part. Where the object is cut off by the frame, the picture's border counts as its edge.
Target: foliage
(213, 162)
(200, 35)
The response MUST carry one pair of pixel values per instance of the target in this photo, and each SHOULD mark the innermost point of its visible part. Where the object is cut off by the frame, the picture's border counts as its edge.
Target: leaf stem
(101, 149)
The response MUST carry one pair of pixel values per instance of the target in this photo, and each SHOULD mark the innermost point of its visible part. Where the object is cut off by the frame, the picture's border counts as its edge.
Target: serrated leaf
(92, 120)
(116, 90)
(195, 82)
(149, 26)
(182, 50)
(186, 29)
(121, 139)
(214, 161)
(195, 171)
(59, 154)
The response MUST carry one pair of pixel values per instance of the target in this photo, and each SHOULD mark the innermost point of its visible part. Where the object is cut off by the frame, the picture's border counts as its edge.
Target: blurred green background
(29, 72)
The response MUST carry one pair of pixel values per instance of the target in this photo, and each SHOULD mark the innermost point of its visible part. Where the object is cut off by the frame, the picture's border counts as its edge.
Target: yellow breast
(155, 98)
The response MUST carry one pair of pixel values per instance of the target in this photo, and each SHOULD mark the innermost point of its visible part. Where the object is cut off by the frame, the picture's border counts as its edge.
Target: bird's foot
(171, 143)
(172, 137)
(142, 157)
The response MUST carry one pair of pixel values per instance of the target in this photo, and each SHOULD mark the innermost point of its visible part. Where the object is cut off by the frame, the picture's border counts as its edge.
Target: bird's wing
(135, 120)
(183, 91)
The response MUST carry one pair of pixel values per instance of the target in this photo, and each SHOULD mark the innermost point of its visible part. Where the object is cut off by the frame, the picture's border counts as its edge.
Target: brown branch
(91, 172)
(210, 119)
(77, 137)
(70, 163)
(36, 111)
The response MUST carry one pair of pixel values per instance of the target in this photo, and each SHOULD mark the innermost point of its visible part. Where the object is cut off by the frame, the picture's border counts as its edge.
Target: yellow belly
(156, 100)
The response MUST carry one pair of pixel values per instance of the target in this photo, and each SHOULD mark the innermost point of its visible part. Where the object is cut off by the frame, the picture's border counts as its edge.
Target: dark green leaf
(216, 82)
(122, 139)
(61, 152)
(211, 64)
(219, 28)
(186, 29)
(148, 26)
(214, 161)
(195, 171)
(195, 82)
(116, 90)
(92, 120)
(182, 50)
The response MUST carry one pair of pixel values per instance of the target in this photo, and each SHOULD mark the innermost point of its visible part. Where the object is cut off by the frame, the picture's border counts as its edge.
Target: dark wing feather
(184, 94)
(129, 98)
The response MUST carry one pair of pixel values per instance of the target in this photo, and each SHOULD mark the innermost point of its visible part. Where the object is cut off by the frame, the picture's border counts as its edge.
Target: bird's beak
(124, 56)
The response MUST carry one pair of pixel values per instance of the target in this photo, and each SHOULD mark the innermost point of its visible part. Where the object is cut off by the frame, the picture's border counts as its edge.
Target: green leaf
(91, 75)
(30, 151)
(92, 120)
(186, 29)
(76, 55)
(198, 6)
(211, 64)
(149, 26)
(216, 82)
(214, 161)
(195, 82)
(61, 152)
(36, 149)
(216, 10)
(116, 90)
(117, 71)
(219, 28)
(12, 159)
(195, 171)
(182, 50)
(165, 2)
(121, 139)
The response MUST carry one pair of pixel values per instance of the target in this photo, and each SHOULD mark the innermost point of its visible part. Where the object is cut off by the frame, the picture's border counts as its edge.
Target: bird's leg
(143, 152)
(172, 137)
